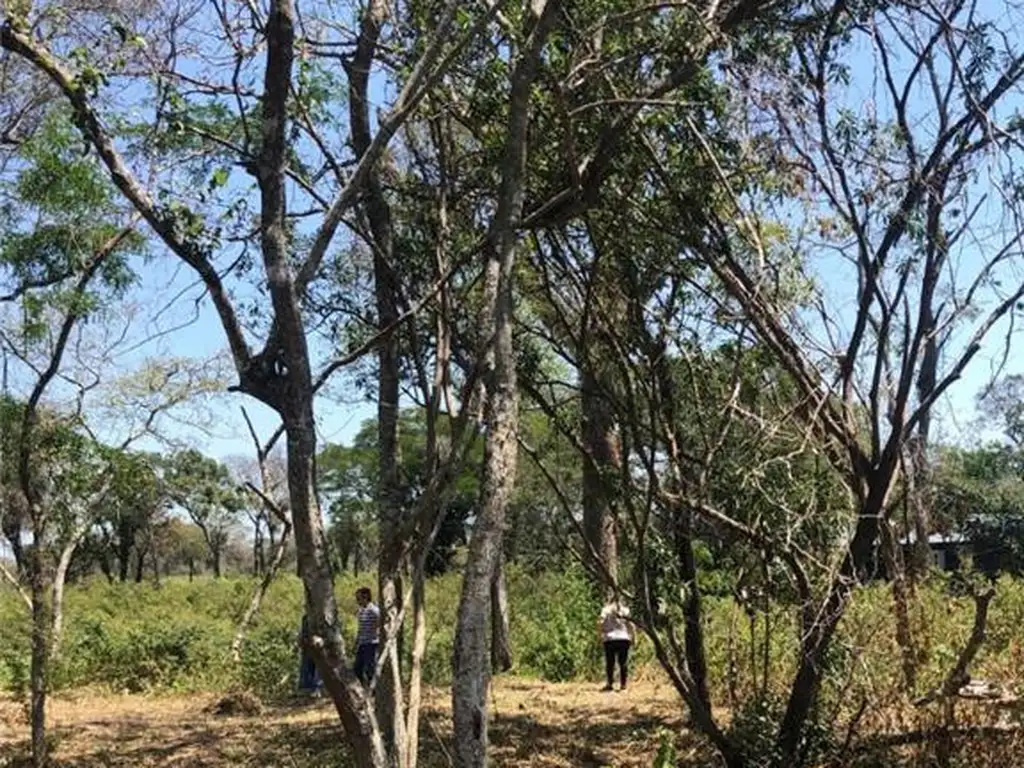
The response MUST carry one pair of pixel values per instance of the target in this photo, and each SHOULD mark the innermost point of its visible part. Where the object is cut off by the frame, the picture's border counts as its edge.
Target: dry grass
(534, 725)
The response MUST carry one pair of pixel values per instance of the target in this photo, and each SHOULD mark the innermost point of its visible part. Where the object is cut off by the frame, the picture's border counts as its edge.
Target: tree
(894, 199)
(204, 489)
(65, 251)
(247, 125)
(471, 661)
(133, 505)
(180, 544)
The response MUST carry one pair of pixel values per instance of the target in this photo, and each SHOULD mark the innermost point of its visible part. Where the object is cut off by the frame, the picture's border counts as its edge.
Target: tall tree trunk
(104, 563)
(693, 638)
(390, 707)
(353, 707)
(39, 670)
(125, 543)
(901, 605)
(140, 563)
(917, 445)
(258, 565)
(601, 442)
(419, 648)
(156, 566)
(501, 645)
(470, 658)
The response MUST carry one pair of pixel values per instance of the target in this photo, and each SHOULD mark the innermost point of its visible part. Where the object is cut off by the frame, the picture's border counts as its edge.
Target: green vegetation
(176, 638)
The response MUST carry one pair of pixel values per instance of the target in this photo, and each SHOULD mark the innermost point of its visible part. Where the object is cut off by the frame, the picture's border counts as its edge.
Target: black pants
(616, 649)
(366, 662)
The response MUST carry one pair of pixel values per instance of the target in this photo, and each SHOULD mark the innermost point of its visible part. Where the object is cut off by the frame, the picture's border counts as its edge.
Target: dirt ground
(534, 724)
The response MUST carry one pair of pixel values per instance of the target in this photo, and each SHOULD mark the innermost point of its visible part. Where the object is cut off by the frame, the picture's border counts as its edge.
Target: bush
(554, 624)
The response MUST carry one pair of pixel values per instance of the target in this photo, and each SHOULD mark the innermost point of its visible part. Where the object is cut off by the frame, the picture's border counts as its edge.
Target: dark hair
(364, 592)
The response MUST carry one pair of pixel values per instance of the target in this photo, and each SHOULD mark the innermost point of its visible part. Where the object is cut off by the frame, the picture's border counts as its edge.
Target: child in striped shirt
(367, 635)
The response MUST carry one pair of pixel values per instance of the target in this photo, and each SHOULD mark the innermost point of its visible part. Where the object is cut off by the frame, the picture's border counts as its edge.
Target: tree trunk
(501, 646)
(191, 569)
(353, 707)
(419, 648)
(39, 671)
(390, 709)
(124, 553)
(917, 445)
(817, 638)
(215, 557)
(140, 564)
(470, 659)
(156, 567)
(258, 566)
(601, 442)
(471, 669)
(59, 579)
(104, 562)
(901, 605)
(696, 661)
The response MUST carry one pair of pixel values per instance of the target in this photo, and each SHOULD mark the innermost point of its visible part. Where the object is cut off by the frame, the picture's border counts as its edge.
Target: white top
(368, 625)
(613, 622)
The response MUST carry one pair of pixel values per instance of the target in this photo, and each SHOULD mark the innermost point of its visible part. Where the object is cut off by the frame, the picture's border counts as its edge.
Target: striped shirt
(369, 623)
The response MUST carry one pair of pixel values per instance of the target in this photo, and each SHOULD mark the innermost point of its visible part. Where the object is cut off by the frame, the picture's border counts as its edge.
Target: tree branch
(426, 74)
(17, 40)
(13, 581)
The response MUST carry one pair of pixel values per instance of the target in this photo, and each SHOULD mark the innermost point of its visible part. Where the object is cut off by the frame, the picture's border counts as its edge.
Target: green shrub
(132, 637)
(554, 624)
(269, 662)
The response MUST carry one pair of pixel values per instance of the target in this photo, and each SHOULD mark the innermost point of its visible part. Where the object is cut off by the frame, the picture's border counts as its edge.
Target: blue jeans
(309, 675)
(366, 662)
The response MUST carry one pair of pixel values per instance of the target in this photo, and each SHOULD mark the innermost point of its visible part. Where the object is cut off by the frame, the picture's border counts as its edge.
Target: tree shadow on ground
(286, 736)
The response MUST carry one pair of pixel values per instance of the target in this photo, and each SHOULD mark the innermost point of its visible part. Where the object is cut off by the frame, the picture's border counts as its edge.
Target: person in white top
(617, 634)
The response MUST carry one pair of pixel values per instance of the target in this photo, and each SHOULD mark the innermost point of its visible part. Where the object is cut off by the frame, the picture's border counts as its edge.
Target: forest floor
(534, 724)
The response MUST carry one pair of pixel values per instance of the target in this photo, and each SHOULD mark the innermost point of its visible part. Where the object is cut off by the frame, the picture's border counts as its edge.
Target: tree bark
(353, 707)
(601, 443)
(125, 543)
(215, 558)
(57, 590)
(39, 670)
(470, 659)
(501, 645)
(258, 564)
(390, 707)
(156, 567)
(693, 637)
(901, 605)
(140, 563)
(419, 648)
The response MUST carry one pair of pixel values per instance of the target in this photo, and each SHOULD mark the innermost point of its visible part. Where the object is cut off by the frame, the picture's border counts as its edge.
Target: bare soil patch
(534, 725)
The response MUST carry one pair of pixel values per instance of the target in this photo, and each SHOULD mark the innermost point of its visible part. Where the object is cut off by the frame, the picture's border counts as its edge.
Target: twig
(10, 577)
